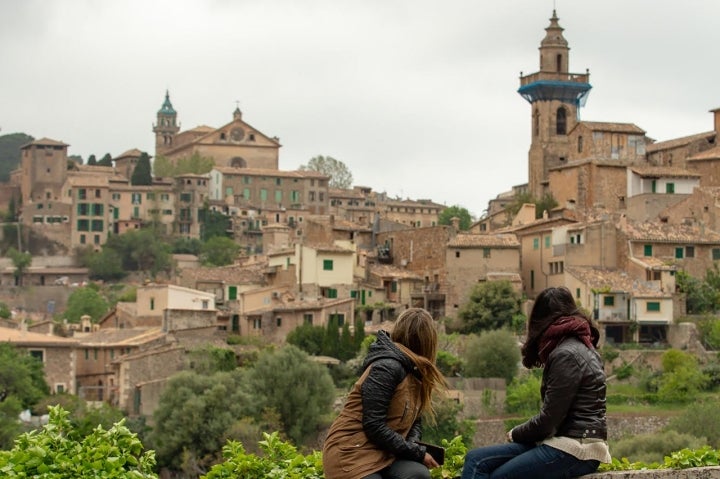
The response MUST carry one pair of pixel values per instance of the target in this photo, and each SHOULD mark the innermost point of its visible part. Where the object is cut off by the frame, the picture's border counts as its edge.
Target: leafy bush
(494, 354)
(58, 452)
(701, 420)
(623, 371)
(281, 459)
(449, 364)
(523, 394)
(654, 447)
(447, 423)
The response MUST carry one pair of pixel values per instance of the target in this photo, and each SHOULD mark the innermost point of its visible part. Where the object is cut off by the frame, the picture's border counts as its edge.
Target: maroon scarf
(562, 328)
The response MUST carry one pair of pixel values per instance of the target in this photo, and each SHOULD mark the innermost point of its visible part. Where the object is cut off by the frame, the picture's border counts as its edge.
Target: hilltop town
(630, 213)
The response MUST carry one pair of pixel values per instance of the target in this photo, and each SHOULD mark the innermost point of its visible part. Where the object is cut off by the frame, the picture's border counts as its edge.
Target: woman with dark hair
(376, 434)
(568, 437)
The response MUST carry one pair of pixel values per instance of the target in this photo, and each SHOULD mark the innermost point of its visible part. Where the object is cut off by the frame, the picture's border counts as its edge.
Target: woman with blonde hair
(376, 434)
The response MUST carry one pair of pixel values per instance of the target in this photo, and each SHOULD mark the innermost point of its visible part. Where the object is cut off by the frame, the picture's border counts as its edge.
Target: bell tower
(166, 127)
(555, 96)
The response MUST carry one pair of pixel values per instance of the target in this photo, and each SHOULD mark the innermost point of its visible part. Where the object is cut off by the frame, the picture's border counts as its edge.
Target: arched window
(238, 162)
(558, 61)
(536, 123)
(580, 144)
(561, 121)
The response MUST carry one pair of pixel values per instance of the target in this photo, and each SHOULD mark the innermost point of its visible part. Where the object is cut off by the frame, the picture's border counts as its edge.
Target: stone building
(236, 144)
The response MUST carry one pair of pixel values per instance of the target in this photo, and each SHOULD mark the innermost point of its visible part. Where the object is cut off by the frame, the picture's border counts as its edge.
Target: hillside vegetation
(10, 152)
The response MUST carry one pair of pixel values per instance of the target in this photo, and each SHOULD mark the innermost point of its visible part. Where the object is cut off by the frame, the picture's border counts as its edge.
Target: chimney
(716, 121)
(455, 222)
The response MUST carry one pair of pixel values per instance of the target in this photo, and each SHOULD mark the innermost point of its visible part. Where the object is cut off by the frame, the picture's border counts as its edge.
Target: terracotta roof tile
(711, 154)
(677, 142)
(388, 271)
(18, 336)
(670, 233)
(612, 127)
(615, 281)
(664, 171)
(495, 240)
(231, 170)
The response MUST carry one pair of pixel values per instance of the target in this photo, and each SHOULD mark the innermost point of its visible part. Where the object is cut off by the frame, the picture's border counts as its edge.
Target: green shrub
(59, 452)
(654, 447)
(701, 420)
(449, 364)
(623, 371)
(494, 354)
(523, 394)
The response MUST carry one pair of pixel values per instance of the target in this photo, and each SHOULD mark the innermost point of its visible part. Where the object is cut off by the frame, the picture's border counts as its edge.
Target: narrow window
(561, 121)
(648, 250)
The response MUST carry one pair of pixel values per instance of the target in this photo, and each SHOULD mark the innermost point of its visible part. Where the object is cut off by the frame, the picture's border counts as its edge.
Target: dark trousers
(402, 469)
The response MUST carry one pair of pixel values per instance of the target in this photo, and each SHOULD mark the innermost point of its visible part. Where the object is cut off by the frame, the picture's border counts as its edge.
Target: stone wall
(692, 473)
(493, 431)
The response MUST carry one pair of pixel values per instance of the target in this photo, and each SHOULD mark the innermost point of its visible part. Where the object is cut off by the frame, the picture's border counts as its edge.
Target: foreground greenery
(58, 451)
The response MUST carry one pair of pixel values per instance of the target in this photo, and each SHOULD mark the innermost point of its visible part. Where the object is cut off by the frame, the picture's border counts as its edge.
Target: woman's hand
(429, 462)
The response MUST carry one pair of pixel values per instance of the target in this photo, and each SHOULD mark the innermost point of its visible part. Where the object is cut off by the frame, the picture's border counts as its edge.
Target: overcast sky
(417, 97)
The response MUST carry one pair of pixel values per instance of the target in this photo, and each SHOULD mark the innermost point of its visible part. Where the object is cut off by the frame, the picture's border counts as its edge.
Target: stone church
(236, 144)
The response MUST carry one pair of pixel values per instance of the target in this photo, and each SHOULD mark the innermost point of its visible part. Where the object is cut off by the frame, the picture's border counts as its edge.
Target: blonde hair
(415, 334)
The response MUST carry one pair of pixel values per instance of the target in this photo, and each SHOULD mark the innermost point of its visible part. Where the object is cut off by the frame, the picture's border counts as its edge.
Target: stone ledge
(712, 472)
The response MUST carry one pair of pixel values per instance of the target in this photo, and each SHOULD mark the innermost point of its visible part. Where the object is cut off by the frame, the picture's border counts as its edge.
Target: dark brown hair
(415, 333)
(551, 304)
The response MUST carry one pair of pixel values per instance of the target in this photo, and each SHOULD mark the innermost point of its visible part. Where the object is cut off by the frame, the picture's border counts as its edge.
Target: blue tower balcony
(572, 88)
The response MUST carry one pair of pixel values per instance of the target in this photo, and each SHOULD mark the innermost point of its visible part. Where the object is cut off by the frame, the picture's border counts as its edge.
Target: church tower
(166, 127)
(555, 96)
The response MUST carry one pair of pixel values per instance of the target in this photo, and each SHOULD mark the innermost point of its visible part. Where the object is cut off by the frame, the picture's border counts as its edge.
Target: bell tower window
(561, 121)
(558, 61)
(536, 123)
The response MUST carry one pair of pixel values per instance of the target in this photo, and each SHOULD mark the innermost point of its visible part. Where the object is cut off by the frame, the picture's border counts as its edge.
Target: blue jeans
(526, 461)
(402, 469)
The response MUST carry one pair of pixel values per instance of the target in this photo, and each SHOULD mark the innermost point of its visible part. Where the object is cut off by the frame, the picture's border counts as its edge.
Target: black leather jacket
(390, 367)
(573, 394)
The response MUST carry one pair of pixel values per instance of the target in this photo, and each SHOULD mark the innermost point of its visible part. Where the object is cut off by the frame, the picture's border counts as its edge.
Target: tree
(21, 261)
(92, 161)
(213, 223)
(339, 173)
(219, 251)
(492, 305)
(459, 212)
(22, 384)
(142, 250)
(106, 160)
(195, 164)
(290, 369)
(142, 174)
(493, 354)
(546, 203)
(307, 337)
(194, 413)
(105, 265)
(85, 301)
(10, 153)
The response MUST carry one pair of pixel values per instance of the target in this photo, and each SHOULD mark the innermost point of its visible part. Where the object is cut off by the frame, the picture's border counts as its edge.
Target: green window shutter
(547, 241)
(232, 292)
(609, 300)
(536, 243)
(679, 253)
(393, 287)
(327, 265)
(716, 254)
(653, 306)
(353, 293)
(670, 188)
(647, 250)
